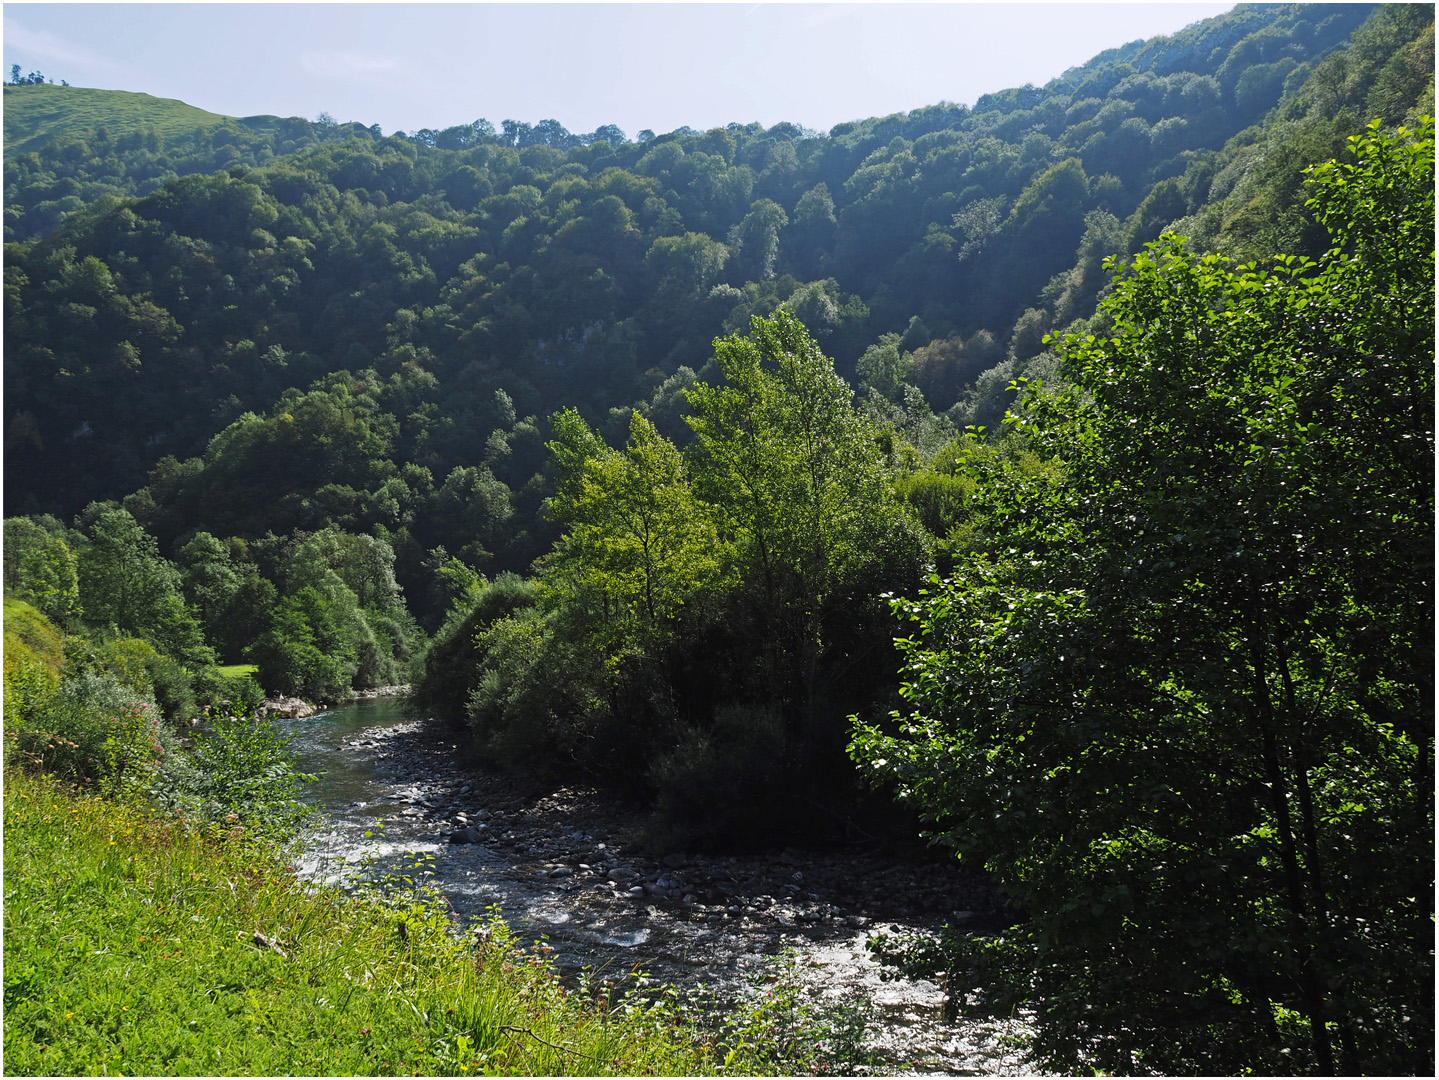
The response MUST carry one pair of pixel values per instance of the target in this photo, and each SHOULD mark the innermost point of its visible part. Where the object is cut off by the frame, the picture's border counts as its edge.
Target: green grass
(36, 114)
(238, 671)
(136, 946)
(30, 634)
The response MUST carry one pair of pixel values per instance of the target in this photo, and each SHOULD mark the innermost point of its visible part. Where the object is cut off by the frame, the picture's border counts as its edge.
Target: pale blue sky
(657, 66)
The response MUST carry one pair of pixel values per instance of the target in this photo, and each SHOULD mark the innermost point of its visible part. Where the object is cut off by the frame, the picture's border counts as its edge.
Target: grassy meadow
(36, 114)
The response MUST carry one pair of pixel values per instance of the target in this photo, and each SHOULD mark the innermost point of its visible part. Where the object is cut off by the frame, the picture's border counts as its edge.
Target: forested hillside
(263, 333)
(264, 330)
(162, 287)
(633, 454)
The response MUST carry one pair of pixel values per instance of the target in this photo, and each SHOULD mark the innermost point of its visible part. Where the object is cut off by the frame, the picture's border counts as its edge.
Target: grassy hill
(36, 114)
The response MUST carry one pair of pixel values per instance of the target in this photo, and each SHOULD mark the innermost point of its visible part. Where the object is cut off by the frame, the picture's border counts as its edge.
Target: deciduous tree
(1182, 707)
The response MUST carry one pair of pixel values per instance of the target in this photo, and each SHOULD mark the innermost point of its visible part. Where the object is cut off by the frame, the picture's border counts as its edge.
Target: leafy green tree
(884, 367)
(755, 240)
(340, 595)
(310, 648)
(317, 632)
(812, 230)
(685, 265)
(125, 582)
(638, 542)
(452, 663)
(40, 566)
(210, 580)
(1182, 707)
(247, 616)
(797, 475)
(454, 585)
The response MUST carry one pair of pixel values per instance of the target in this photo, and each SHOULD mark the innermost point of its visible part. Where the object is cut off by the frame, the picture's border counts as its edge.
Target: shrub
(137, 663)
(451, 674)
(28, 686)
(719, 786)
(241, 693)
(238, 769)
(92, 728)
(40, 566)
(538, 693)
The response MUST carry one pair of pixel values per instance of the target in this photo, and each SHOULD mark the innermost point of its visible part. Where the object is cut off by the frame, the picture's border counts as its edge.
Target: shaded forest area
(316, 374)
(636, 456)
(420, 305)
(316, 387)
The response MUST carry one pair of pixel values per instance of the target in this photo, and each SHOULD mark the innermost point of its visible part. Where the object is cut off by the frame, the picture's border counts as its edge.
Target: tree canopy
(1179, 697)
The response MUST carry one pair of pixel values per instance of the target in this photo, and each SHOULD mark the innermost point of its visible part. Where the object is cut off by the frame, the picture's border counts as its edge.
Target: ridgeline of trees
(35, 78)
(629, 452)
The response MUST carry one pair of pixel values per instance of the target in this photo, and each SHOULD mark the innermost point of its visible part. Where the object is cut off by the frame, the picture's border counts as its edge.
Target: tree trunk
(1312, 993)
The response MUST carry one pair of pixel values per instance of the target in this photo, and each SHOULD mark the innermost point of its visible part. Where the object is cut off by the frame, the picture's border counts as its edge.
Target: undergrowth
(136, 944)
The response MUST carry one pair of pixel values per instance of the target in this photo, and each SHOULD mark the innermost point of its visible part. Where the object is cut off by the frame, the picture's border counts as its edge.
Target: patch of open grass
(238, 671)
(36, 114)
(30, 634)
(134, 945)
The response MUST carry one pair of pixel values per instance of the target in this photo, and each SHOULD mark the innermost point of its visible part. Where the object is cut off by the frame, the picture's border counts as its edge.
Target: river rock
(467, 835)
(286, 708)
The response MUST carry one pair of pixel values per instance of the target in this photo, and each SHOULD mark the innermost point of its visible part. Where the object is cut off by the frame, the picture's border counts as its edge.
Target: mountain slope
(38, 114)
(200, 309)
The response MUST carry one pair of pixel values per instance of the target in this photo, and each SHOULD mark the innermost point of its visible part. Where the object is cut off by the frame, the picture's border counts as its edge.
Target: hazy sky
(657, 66)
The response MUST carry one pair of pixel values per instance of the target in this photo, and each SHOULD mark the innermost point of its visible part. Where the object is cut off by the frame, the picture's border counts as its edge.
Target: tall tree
(638, 543)
(125, 582)
(798, 474)
(1183, 707)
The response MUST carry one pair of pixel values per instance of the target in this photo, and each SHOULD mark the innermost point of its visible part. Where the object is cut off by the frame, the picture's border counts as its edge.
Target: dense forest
(1111, 400)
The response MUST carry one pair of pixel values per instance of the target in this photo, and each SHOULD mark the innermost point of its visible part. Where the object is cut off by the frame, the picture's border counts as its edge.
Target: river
(566, 865)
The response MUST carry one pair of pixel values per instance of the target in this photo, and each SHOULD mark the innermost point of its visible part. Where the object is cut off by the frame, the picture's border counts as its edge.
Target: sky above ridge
(639, 66)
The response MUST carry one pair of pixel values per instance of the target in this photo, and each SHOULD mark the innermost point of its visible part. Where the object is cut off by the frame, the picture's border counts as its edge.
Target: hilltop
(38, 114)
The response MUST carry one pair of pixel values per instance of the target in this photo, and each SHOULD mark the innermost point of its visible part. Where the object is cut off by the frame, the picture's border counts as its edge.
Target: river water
(567, 866)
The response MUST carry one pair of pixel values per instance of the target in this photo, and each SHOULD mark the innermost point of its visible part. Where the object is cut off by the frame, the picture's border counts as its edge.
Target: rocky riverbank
(569, 864)
(293, 708)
